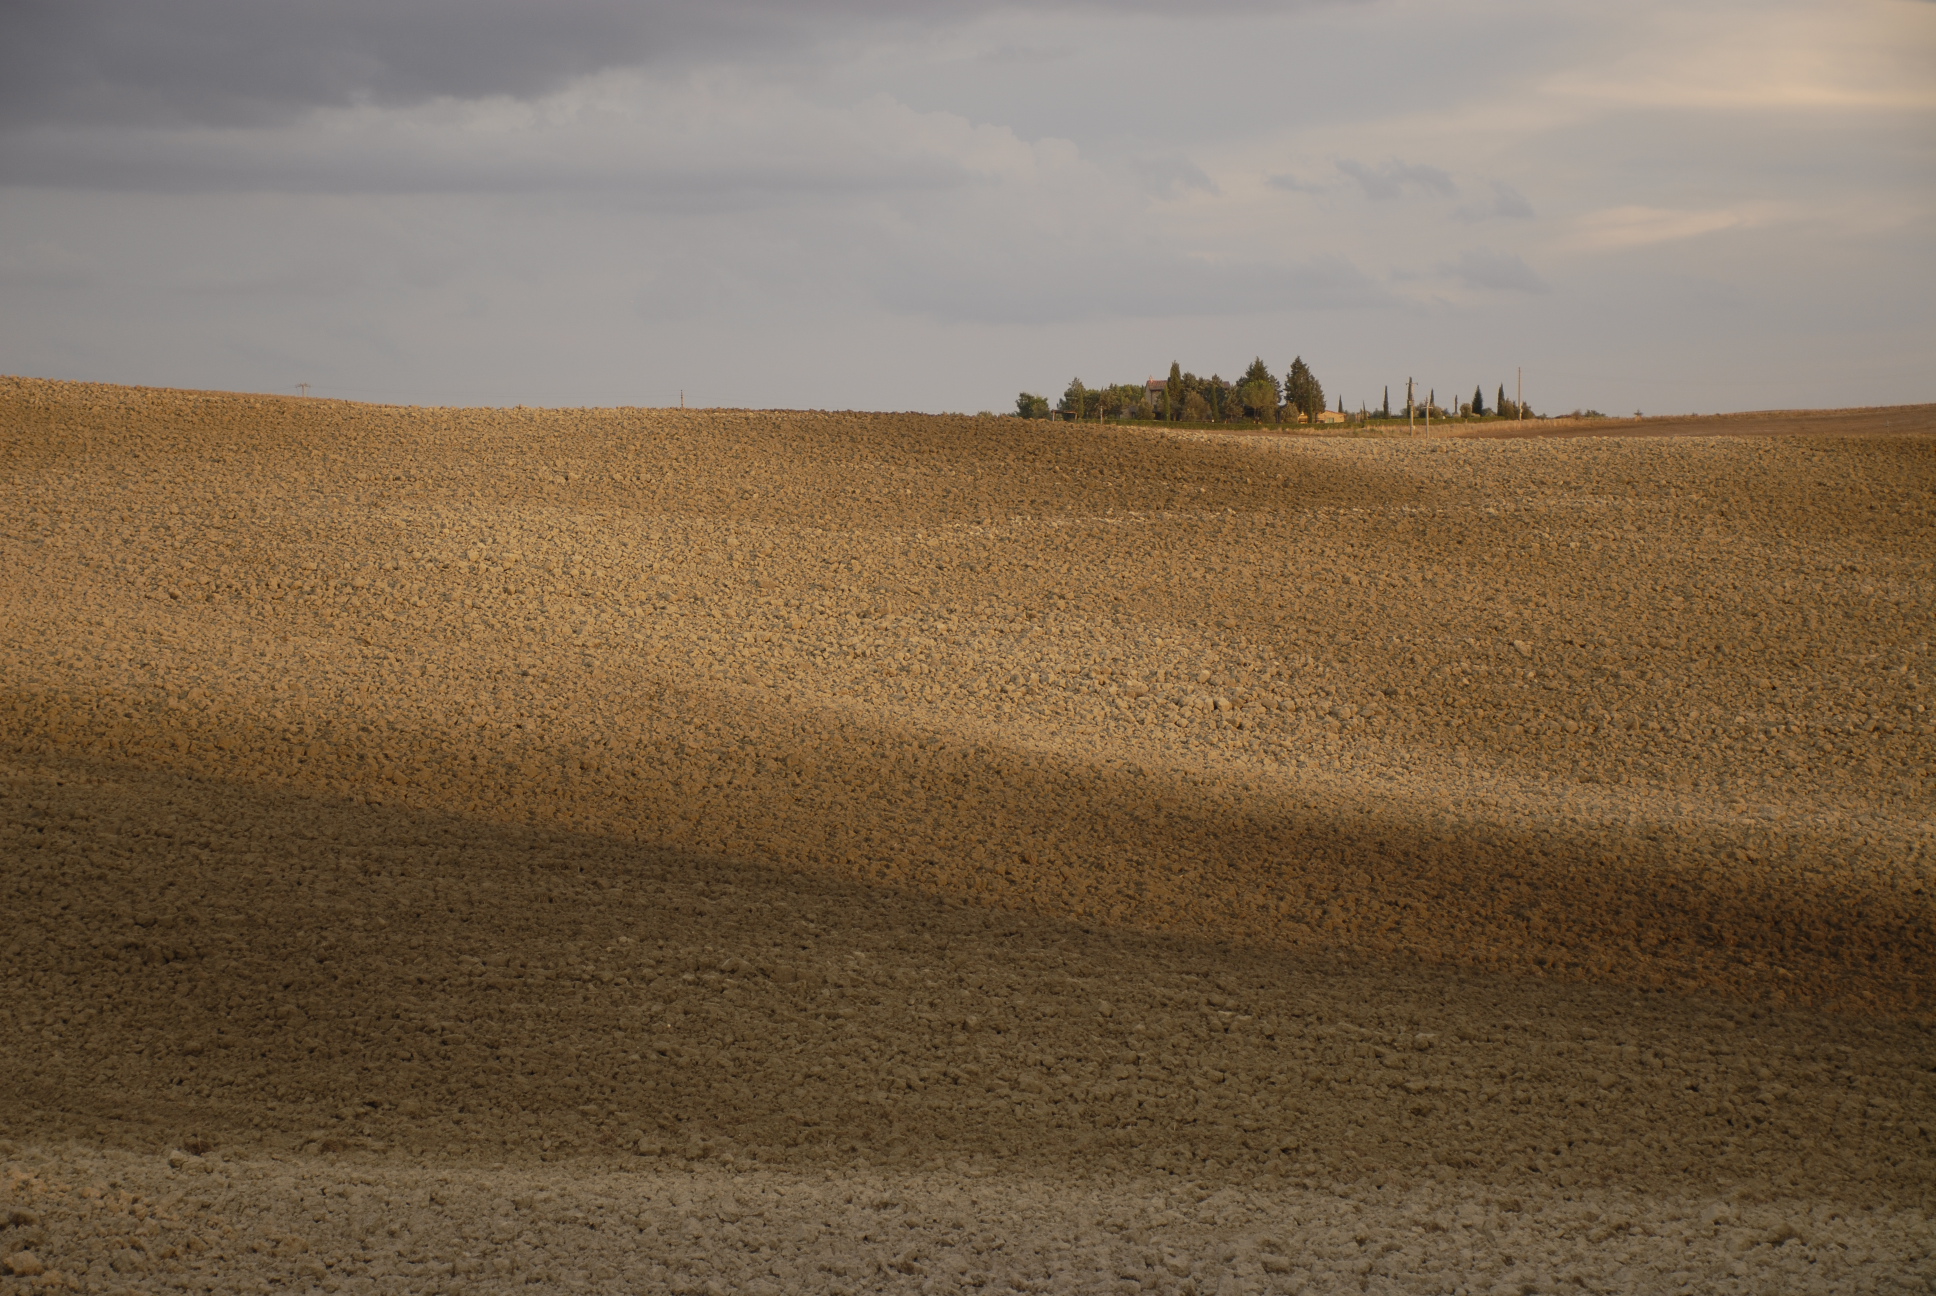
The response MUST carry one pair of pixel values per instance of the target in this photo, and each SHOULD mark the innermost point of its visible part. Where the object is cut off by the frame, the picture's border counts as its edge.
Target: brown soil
(640, 850)
(1881, 420)
(1870, 421)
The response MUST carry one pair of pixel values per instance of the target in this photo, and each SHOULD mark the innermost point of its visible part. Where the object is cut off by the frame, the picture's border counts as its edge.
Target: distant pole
(682, 398)
(303, 388)
(1411, 421)
(1519, 392)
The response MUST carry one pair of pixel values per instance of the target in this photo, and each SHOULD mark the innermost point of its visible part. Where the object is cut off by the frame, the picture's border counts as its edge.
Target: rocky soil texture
(621, 850)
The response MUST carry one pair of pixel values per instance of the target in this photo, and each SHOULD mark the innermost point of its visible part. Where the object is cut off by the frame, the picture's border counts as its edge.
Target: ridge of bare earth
(656, 850)
(1860, 421)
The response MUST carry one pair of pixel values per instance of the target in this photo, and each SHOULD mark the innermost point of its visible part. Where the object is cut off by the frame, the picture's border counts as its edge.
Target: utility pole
(1411, 424)
(1519, 392)
(303, 388)
(682, 398)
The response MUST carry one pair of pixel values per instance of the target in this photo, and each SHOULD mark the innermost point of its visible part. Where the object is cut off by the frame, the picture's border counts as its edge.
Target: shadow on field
(214, 965)
(821, 794)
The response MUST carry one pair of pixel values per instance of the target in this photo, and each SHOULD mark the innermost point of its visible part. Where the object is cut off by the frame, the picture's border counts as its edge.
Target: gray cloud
(1026, 55)
(1292, 184)
(1497, 271)
(1168, 177)
(731, 173)
(1055, 283)
(1394, 179)
(1507, 203)
(236, 61)
(229, 62)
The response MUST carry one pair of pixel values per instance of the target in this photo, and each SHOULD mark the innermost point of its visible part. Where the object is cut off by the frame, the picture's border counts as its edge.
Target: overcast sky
(931, 204)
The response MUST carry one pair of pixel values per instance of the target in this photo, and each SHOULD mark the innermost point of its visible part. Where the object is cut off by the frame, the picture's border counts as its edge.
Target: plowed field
(640, 850)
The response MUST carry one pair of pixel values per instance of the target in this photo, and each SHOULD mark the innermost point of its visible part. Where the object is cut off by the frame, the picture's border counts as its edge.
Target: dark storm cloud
(246, 61)
(242, 61)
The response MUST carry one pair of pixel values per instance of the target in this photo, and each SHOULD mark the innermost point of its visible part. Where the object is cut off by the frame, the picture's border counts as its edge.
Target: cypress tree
(1478, 401)
(1303, 391)
(1384, 411)
(1173, 393)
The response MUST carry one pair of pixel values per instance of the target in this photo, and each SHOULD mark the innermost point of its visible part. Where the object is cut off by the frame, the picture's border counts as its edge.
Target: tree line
(1257, 396)
(1503, 406)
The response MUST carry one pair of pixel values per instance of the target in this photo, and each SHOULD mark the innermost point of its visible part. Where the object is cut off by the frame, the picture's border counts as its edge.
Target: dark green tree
(1124, 400)
(1478, 401)
(1031, 406)
(1258, 391)
(1502, 405)
(1384, 411)
(1077, 401)
(1302, 390)
(1173, 393)
(1258, 400)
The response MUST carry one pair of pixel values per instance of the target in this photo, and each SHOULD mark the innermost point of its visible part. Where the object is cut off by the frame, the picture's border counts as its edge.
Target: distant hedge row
(1256, 397)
